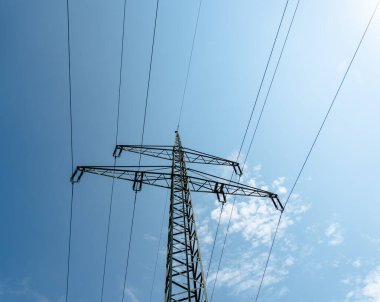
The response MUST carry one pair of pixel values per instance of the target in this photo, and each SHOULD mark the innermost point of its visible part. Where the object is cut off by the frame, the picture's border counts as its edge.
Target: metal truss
(161, 176)
(184, 272)
(189, 155)
(185, 279)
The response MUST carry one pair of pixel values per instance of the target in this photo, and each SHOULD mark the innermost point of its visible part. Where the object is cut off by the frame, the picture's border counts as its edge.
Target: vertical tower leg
(184, 272)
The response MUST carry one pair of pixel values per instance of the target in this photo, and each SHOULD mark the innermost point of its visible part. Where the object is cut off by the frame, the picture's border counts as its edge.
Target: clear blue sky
(329, 245)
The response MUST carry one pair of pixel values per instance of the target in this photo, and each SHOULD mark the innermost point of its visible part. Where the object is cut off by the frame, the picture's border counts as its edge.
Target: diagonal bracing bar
(184, 272)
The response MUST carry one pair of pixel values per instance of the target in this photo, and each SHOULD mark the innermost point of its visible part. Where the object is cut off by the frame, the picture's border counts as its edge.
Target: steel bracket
(138, 181)
(218, 189)
(77, 175)
(117, 151)
(237, 169)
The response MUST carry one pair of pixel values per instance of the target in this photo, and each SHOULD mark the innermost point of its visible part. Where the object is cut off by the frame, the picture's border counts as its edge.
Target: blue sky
(329, 243)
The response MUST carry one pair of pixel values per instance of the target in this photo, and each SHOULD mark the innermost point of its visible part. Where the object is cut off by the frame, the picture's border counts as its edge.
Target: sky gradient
(328, 247)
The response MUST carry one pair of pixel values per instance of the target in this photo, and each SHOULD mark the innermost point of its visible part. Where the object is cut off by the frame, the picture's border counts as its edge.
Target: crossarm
(166, 152)
(160, 176)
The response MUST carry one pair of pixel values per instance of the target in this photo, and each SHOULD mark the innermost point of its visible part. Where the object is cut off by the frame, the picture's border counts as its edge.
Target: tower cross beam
(160, 176)
(166, 152)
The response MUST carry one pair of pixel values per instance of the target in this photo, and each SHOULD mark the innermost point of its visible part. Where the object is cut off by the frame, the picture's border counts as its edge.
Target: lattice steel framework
(184, 272)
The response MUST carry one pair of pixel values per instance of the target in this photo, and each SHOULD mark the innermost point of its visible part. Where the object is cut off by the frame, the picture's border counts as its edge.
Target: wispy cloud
(372, 286)
(131, 295)
(204, 234)
(357, 263)
(334, 234)
(24, 289)
(244, 272)
(368, 289)
(254, 220)
(149, 237)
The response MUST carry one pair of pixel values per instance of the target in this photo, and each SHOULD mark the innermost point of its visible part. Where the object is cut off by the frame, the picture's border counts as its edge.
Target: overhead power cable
(264, 76)
(116, 141)
(313, 144)
(243, 140)
(273, 77)
(189, 64)
(71, 149)
(129, 245)
(149, 74)
(142, 141)
(158, 248)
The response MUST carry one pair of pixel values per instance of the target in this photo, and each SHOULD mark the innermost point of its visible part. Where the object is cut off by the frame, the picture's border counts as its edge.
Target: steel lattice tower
(184, 272)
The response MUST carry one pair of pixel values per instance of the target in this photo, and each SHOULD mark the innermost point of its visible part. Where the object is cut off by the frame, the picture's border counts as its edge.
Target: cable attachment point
(277, 203)
(237, 169)
(117, 151)
(138, 181)
(77, 175)
(218, 189)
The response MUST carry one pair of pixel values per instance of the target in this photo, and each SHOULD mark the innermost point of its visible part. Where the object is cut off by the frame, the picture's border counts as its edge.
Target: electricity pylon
(185, 279)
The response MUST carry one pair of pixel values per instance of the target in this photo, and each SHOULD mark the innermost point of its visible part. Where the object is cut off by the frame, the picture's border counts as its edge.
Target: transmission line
(314, 142)
(264, 75)
(189, 63)
(273, 77)
(116, 141)
(71, 149)
(142, 141)
(129, 244)
(149, 75)
(158, 247)
(242, 143)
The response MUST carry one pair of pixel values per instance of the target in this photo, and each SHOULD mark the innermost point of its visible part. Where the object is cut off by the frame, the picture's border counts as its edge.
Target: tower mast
(184, 271)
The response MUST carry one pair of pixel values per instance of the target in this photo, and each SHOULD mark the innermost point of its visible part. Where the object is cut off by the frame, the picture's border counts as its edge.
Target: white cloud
(283, 292)
(204, 234)
(357, 263)
(131, 295)
(349, 296)
(149, 237)
(244, 273)
(334, 234)
(278, 185)
(255, 220)
(372, 286)
(369, 289)
(23, 288)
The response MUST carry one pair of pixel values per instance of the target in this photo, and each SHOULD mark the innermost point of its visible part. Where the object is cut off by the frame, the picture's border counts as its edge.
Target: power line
(71, 148)
(223, 246)
(158, 248)
(107, 237)
(69, 247)
(129, 245)
(116, 141)
(273, 77)
(120, 73)
(149, 75)
(214, 241)
(242, 143)
(314, 142)
(142, 141)
(264, 75)
(189, 64)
